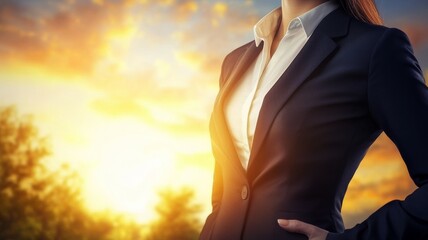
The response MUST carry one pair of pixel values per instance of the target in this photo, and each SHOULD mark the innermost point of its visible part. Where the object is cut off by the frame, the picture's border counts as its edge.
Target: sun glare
(124, 90)
(130, 169)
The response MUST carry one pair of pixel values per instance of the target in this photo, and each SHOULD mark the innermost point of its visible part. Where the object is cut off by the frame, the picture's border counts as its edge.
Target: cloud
(183, 9)
(158, 61)
(426, 75)
(206, 63)
(364, 199)
(178, 110)
(417, 33)
(174, 123)
(380, 178)
(74, 36)
(70, 39)
(220, 9)
(176, 87)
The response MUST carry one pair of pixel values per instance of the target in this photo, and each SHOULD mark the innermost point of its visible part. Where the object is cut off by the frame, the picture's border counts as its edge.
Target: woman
(296, 112)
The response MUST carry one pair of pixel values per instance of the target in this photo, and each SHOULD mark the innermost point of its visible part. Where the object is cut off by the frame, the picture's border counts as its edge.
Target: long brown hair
(364, 10)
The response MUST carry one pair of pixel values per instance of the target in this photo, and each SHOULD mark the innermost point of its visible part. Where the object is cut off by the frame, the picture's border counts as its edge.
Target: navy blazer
(350, 82)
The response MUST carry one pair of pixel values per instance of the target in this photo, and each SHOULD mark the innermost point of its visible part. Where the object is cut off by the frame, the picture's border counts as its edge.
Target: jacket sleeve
(217, 186)
(398, 102)
(217, 192)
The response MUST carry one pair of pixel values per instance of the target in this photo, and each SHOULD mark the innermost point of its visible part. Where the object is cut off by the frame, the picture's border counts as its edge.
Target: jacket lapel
(222, 136)
(319, 46)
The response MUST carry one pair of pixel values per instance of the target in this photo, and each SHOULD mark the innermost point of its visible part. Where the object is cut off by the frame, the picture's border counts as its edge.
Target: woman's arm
(398, 101)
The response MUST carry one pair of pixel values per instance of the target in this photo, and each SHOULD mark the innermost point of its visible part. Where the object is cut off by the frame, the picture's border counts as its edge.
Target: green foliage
(39, 204)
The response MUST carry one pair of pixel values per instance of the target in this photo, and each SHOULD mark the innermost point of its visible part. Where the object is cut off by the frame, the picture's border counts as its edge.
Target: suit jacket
(350, 82)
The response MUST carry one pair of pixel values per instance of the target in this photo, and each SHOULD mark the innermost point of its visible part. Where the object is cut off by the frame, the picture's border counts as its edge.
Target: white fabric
(243, 105)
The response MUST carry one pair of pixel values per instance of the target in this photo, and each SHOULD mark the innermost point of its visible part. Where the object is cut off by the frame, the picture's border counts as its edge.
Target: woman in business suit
(296, 112)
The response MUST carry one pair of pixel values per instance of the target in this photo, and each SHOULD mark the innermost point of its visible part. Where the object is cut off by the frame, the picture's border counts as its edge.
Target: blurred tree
(126, 228)
(177, 216)
(36, 203)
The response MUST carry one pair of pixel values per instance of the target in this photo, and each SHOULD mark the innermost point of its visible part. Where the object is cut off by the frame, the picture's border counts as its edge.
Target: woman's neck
(294, 8)
(290, 10)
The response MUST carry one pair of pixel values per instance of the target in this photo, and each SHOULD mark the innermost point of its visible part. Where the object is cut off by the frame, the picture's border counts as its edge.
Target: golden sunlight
(123, 91)
(130, 167)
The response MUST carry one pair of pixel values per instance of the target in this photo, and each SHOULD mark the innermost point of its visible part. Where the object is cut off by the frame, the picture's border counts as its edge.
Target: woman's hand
(311, 231)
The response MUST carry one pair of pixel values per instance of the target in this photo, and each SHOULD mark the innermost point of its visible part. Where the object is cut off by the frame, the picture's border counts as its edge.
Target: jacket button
(244, 192)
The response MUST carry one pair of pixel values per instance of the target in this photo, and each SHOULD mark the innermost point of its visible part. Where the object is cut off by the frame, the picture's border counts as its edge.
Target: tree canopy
(37, 203)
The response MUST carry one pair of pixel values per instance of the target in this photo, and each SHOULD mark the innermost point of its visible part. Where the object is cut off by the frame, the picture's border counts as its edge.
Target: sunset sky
(124, 90)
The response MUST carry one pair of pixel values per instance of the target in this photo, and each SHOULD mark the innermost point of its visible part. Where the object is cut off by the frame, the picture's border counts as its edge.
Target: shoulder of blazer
(230, 60)
(359, 27)
(339, 24)
(375, 35)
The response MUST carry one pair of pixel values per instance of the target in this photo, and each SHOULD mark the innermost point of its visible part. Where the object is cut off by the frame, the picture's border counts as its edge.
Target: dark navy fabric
(350, 82)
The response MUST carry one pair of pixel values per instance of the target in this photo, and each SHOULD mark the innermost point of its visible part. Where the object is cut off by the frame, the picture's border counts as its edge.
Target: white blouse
(243, 105)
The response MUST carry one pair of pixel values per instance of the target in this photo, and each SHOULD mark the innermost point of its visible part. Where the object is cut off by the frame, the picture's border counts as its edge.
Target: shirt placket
(264, 73)
(258, 73)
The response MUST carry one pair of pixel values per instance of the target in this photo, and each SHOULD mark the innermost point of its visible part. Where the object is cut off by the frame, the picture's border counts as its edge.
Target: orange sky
(124, 89)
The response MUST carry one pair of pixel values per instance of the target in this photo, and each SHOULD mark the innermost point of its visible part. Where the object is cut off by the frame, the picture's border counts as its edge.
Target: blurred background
(104, 109)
